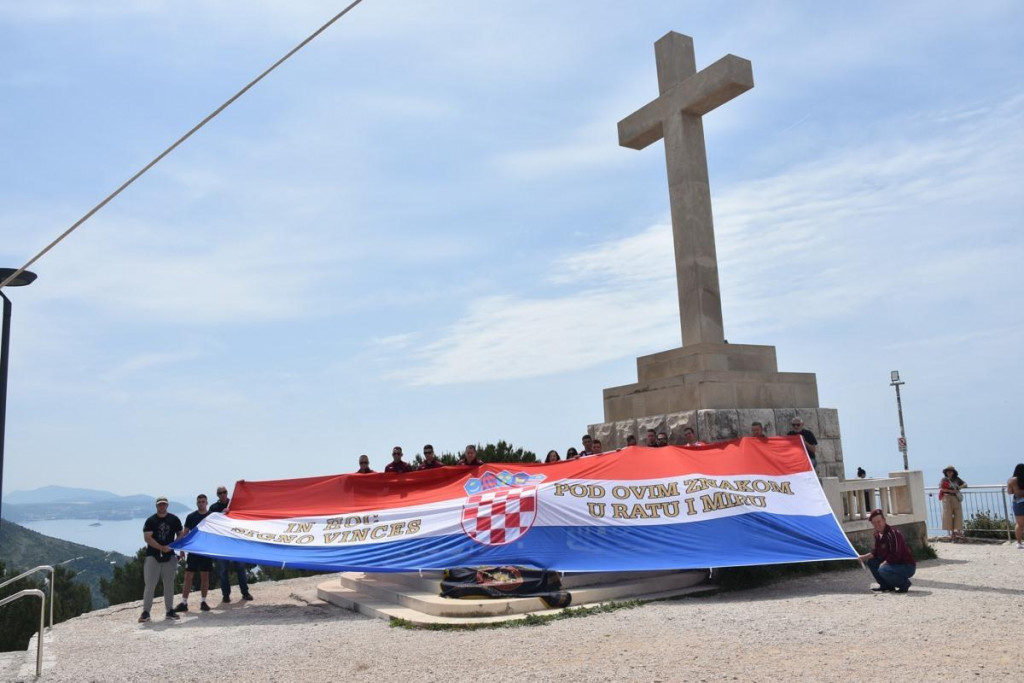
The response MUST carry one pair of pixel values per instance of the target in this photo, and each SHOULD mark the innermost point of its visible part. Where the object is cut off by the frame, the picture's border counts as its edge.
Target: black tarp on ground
(505, 582)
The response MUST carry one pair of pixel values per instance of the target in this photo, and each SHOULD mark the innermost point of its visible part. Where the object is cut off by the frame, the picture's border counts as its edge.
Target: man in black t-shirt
(224, 567)
(161, 563)
(196, 563)
(809, 441)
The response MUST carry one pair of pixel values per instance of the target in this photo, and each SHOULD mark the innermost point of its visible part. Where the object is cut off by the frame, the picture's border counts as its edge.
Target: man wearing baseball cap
(891, 561)
(161, 563)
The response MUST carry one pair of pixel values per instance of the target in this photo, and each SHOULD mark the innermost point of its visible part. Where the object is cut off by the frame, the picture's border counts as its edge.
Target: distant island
(60, 502)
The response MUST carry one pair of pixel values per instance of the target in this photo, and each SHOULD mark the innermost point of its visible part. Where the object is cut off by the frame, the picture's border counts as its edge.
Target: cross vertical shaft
(675, 116)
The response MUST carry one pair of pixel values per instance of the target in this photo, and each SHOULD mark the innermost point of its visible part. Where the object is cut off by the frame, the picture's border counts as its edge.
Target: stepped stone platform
(416, 597)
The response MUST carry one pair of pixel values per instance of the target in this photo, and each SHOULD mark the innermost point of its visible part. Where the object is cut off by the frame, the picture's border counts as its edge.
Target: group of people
(892, 563)
(430, 460)
(161, 563)
(590, 446)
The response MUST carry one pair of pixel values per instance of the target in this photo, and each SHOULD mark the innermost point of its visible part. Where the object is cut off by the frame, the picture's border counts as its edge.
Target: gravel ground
(958, 622)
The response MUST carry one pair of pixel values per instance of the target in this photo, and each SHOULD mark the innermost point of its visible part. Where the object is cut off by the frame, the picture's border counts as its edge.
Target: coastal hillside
(23, 548)
(60, 502)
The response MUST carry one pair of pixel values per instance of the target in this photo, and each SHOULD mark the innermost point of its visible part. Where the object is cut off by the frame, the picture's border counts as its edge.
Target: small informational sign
(902, 444)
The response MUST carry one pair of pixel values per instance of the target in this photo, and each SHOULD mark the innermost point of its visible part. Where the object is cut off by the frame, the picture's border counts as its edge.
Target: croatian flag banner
(743, 502)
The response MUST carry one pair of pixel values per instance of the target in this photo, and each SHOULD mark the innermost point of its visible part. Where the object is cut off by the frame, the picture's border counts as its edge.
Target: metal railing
(42, 618)
(42, 567)
(987, 501)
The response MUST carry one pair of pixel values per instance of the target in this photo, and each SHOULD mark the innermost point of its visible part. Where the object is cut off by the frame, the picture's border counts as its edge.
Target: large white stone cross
(676, 116)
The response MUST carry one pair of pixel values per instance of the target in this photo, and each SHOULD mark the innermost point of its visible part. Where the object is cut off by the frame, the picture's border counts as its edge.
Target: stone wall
(720, 424)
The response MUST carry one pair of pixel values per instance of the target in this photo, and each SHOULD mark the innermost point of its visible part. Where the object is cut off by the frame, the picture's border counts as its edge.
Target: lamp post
(24, 278)
(894, 377)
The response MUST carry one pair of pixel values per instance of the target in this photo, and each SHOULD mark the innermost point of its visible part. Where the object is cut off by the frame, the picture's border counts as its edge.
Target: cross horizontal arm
(697, 95)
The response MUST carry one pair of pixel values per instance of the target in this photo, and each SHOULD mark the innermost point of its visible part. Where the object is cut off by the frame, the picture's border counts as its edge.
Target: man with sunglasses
(430, 460)
(398, 465)
(809, 441)
(224, 567)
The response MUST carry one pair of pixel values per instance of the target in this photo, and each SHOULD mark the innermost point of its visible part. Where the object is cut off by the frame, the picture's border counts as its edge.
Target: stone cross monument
(714, 386)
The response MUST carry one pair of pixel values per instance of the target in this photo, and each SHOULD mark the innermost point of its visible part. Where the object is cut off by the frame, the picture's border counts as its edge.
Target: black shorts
(198, 563)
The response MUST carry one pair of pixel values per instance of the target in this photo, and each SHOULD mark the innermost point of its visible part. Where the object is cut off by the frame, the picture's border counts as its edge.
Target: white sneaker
(1020, 546)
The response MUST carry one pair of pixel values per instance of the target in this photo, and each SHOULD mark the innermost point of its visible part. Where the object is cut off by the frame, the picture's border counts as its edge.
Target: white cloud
(160, 273)
(146, 361)
(508, 338)
(836, 233)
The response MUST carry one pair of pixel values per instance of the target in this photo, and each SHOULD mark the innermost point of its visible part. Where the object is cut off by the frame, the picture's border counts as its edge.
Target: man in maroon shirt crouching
(891, 561)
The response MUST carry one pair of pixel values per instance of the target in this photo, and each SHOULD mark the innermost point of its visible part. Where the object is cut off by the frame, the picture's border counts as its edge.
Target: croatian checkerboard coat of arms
(500, 516)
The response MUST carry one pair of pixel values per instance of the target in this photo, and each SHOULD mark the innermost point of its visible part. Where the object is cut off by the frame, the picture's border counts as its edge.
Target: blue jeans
(891, 575)
(224, 569)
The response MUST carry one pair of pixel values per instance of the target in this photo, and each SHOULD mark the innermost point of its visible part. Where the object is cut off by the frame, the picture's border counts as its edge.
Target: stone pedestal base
(709, 376)
(730, 423)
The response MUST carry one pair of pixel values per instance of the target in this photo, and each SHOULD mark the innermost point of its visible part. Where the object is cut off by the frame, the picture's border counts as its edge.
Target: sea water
(123, 536)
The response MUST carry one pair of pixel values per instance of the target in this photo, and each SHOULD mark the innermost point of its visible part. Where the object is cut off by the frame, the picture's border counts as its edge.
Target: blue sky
(422, 228)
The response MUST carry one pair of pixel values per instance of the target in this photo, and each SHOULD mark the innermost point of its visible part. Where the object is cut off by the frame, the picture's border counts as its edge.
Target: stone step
(20, 665)
(430, 581)
(398, 592)
(382, 609)
(416, 596)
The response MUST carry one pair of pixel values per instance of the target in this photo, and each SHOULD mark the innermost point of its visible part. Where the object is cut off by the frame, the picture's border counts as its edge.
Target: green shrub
(985, 524)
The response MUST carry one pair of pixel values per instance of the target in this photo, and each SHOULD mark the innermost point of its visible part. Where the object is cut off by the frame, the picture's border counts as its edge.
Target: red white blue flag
(743, 502)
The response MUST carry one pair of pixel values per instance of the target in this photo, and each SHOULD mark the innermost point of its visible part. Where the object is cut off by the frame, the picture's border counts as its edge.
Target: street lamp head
(894, 376)
(25, 277)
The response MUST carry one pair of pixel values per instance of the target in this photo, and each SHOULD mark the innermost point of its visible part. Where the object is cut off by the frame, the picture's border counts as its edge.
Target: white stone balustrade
(900, 496)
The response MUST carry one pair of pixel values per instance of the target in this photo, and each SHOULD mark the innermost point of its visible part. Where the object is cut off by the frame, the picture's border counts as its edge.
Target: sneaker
(246, 596)
(203, 607)
(226, 598)
(173, 615)
(879, 589)
(904, 589)
(144, 617)
(1020, 546)
(182, 607)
